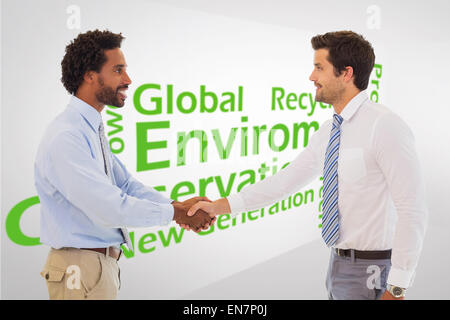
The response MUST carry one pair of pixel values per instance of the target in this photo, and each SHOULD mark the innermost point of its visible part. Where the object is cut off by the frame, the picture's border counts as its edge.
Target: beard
(331, 94)
(108, 95)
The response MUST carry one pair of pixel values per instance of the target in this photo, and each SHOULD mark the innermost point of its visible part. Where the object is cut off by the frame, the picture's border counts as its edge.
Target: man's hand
(215, 208)
(190, 202)
(203, 221)
(206, 227)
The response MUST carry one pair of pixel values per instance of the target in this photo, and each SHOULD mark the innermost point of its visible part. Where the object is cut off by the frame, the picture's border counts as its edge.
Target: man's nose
(126, 79)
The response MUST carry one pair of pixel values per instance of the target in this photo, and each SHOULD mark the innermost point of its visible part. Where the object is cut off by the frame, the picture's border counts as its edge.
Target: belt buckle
(339, 252)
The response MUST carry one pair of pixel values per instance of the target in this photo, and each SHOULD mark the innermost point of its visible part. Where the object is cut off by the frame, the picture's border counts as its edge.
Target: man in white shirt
(374, 203)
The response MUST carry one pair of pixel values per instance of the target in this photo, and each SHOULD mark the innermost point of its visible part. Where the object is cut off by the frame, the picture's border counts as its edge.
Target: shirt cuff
(237, 205)
(400, 278)
(168, 201)
(167, 212)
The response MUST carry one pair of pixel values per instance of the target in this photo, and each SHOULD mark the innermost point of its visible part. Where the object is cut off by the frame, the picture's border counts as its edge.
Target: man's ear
(348, 73)
(89, 77)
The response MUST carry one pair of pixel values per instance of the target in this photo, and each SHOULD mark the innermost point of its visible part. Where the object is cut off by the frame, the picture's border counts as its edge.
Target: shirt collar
(353, 105)
(92, 116)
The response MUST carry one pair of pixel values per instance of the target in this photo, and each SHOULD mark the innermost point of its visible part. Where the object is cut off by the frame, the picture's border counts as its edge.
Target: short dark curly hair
(347, 48)
(86, 53)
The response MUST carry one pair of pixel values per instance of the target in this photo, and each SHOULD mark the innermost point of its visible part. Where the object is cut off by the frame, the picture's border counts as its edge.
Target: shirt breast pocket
(352, 166)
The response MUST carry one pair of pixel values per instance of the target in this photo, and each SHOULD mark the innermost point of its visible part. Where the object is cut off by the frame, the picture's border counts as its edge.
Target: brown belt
(113, 251)
(369, 255)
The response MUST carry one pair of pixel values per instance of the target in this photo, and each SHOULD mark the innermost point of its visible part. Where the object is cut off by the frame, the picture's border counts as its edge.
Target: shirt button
(47, 276)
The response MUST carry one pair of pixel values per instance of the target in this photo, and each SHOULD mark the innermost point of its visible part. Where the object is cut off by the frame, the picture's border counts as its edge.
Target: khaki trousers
(75, 274)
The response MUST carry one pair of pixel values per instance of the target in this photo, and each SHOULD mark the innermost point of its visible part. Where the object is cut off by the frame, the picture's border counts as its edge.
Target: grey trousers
(356, 279)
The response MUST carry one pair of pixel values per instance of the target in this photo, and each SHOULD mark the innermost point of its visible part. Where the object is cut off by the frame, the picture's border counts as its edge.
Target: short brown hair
(86, 53)
(347, 48)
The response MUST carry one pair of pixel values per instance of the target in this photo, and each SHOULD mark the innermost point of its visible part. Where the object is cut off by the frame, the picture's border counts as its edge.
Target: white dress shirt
(381, 190)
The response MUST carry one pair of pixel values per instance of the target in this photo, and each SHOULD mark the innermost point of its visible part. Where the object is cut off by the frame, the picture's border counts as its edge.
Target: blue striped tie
(330, 218)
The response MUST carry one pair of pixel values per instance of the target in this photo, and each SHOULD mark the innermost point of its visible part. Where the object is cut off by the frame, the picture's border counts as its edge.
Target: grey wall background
(412, 41)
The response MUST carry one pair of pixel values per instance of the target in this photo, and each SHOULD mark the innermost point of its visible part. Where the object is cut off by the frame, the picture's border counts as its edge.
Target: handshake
(199, 213)
(200, 221)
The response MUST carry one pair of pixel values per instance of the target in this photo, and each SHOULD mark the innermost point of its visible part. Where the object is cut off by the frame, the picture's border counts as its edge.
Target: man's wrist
(176, 210)
(222, 206)
(395, 291)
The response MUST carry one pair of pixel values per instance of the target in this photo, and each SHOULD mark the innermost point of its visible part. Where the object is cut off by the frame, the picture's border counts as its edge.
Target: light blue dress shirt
(80, 206)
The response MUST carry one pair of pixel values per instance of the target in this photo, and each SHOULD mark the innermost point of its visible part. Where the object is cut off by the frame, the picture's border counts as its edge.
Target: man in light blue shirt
(87, 196)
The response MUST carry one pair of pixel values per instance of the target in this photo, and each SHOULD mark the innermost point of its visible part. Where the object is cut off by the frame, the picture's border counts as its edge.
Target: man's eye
(118, 71)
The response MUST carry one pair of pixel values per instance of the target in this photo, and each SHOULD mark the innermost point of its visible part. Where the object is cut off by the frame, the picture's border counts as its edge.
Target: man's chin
(117, 104)
(321, 98)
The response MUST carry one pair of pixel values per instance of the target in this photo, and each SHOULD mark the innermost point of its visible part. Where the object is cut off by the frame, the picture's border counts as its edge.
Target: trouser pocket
(75, 274)
(54, 280)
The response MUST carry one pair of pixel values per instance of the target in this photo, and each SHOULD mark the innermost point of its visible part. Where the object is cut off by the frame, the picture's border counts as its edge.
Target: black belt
(369, 255)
